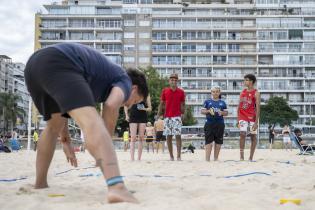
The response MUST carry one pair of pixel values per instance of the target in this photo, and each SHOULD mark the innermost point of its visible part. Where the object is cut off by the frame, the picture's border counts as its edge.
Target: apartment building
(207, 42)
(12, 81)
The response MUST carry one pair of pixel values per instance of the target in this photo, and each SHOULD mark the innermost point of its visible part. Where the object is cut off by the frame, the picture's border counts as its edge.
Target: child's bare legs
(217, 148)
(252, 146)
(208, 151)
(133, 136)
(46, 148)
(141, 130)
(99, 144)
(242, 144)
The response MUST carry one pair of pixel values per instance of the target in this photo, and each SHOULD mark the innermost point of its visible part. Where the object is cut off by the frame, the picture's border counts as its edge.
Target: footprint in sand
(273, 186)
(26, 190)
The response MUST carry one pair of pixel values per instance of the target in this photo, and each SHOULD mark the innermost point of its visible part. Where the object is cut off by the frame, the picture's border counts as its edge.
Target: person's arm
(149, 108)
(161, 108)
(111, 108)
(204, 111)
(257, 97)
(126, 113)
(182, 105)
(64, 134)
(224, 111)
(66, 145)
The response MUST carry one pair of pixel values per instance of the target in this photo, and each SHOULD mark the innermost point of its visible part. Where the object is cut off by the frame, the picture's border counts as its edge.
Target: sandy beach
(161, 184)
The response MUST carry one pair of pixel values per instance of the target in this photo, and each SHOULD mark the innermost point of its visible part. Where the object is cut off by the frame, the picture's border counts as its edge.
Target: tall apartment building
(12, 81)
(207, 42)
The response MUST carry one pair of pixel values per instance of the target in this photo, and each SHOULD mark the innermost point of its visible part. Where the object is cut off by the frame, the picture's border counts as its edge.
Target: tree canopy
(277, 111)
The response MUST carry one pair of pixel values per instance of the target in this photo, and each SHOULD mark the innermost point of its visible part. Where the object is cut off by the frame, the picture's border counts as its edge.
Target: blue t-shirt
(100, 73)
(217, 106)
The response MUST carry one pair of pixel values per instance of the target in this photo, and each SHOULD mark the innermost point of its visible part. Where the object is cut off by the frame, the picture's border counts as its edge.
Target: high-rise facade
(207, 42)
(12, 81)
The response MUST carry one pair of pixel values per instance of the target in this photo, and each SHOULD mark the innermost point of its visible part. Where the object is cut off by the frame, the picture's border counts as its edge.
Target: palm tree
(9, 111)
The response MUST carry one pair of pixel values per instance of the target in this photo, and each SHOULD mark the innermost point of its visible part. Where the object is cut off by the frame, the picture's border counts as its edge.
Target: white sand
(193, 183)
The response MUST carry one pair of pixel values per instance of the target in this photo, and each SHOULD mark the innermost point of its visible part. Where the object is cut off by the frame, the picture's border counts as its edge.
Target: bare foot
(171, 158)
(179, 159)
(119, 193)
(40, 185)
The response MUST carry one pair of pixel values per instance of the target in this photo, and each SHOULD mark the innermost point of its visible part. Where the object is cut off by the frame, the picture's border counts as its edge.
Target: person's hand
(68, 150)
(255, 126)
(127, 118)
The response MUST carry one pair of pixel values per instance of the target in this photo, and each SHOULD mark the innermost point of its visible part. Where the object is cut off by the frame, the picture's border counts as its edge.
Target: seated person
(2, 146)
(303, 143)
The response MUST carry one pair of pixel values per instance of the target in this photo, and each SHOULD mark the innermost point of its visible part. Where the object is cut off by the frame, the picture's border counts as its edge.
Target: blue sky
(17, 19)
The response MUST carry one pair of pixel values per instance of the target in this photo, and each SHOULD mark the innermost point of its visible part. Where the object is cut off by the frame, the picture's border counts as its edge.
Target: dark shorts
(149, 139)
(160, 136)
(55, 83)
(271, 139)
(214, 132)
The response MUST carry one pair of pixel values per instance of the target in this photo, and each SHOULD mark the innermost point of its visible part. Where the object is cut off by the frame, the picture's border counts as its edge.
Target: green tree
(189, 117)
(9, 111)
(277, 111)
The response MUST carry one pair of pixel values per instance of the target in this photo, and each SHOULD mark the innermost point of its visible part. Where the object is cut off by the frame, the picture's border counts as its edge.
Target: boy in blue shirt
(214, 109)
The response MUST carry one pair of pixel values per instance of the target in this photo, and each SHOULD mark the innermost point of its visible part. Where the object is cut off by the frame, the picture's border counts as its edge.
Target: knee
(243, 134)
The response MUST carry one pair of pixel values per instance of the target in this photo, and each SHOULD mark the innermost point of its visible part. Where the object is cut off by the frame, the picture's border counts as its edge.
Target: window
(129, 23)
(129, 59)
(129, 35)
(144, 60)
(129, 47)
(144, 23)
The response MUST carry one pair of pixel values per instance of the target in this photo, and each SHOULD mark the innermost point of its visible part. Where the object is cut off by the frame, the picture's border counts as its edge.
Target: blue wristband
(114, 180)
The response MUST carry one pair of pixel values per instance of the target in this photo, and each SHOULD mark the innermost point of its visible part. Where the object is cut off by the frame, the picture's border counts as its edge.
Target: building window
(144, 23)
(129, 35)
(129, 59)
(144, 60)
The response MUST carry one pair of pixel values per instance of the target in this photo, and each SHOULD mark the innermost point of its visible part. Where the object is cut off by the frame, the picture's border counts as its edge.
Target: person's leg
(242, 144)
(217, 148)
(243, 125)
(170, 146)
(253, 146)
(290, 145)
(178, 146)
(208, 148)
(46, 148)
(141, 130)
(133, 136)
(100, 146)
(147, 146)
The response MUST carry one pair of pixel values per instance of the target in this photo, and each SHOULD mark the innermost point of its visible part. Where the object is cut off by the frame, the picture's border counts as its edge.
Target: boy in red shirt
(248, 114)
(173, 104)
